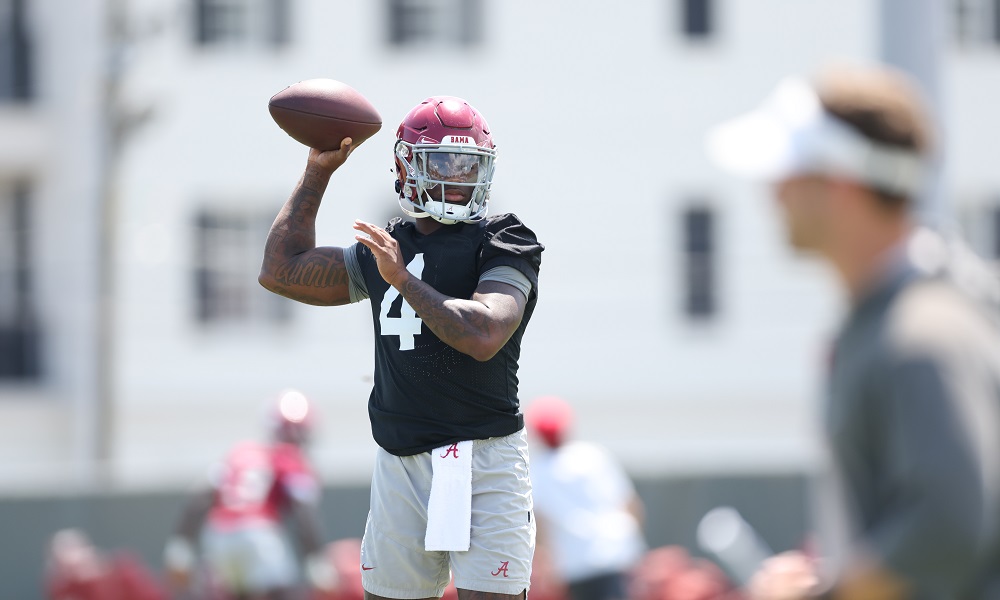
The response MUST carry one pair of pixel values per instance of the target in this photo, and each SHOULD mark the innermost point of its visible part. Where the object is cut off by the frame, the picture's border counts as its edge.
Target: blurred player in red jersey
(244, 551)
(78, 570)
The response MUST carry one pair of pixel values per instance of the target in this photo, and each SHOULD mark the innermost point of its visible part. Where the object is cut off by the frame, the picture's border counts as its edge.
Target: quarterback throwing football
(451, 294)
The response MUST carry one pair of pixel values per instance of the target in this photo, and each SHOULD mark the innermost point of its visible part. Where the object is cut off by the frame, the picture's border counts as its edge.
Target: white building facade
(671, 313)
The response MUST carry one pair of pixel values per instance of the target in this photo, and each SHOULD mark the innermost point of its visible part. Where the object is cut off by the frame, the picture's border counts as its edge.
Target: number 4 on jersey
(407, 324)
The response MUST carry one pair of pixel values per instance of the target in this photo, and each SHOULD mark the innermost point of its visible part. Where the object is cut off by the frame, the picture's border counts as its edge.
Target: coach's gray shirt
(913, 423)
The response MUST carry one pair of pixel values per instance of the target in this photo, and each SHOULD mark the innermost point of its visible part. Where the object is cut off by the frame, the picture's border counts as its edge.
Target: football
(321, 112)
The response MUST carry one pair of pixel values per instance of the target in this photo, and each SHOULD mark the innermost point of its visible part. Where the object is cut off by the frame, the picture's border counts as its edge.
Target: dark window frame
(996, 22)
(699, 250)
(968, 26)
(209, 30)
(16, 53)
(413, 23)
(994, 249)
(697, 18)
(225, 288)
(21, 341)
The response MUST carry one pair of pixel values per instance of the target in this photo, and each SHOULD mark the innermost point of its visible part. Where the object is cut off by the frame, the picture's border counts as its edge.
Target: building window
(229, 247)
(20, 334)
(241, 23)
(696, 19)
(698, 239)
(979, 218)
(434, 22)
(994, 253)
(976, 22)
(15, 52)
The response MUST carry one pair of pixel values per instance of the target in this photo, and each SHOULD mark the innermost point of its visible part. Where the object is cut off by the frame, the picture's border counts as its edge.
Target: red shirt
(258, 482)
(123, 577)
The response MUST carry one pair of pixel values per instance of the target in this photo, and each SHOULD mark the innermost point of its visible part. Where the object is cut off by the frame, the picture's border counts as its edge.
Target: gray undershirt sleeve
(356, 287)
(510, 276)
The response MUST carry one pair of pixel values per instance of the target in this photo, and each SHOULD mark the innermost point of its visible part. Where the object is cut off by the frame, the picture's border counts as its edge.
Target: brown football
(321, 112)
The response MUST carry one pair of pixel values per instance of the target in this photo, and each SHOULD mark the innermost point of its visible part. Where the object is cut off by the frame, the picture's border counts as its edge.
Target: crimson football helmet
(291, 418)
(445, 158)
(551, 418)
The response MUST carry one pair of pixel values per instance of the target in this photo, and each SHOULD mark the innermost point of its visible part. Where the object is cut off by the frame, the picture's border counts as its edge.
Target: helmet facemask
(449, 182)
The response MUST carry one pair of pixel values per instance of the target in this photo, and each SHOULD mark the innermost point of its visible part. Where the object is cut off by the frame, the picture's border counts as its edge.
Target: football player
(77, 569)
(240, 516)
(451, 292)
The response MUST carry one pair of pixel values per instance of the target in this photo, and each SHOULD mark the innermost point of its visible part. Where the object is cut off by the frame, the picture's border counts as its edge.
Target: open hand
(388, 256)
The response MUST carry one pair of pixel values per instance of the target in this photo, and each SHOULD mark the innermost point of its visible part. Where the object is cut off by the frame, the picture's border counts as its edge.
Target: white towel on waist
(449, 510)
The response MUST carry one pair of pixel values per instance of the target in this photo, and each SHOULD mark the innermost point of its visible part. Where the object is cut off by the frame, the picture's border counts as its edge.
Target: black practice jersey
(426, 393)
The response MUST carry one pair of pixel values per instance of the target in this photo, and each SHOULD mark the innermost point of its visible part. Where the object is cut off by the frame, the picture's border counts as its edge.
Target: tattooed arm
(293, 266)
(479, 326)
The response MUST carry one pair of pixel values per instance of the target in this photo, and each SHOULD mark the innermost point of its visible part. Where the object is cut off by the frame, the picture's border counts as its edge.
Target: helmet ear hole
(399, 187)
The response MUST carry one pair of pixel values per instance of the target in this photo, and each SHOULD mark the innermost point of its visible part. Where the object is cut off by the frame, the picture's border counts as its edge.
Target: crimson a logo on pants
(501, 569)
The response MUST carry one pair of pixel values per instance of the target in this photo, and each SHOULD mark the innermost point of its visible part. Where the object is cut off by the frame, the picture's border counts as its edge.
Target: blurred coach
(912, 415)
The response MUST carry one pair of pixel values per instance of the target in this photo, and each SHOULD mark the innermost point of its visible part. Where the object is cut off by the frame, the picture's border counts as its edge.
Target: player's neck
(427, 225)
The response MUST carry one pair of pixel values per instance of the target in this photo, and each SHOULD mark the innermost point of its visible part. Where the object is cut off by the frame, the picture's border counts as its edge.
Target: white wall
(54, 143)
(598, 114)
(598, 110)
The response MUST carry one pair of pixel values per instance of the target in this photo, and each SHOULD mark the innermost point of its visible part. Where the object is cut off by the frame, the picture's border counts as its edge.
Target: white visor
(790, 134)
